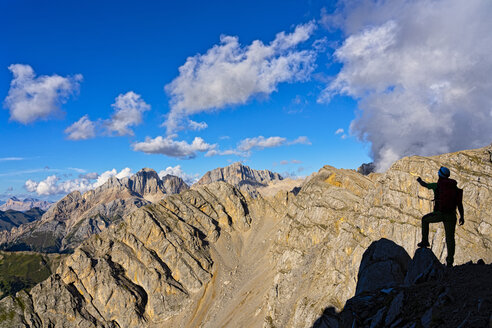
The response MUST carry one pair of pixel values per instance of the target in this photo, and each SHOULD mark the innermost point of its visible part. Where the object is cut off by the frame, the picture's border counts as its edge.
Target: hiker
(447, 196)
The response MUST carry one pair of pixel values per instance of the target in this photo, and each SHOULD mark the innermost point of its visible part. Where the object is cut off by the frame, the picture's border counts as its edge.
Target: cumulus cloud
(229, 74)
(54, 185)
(177, 171)
(83, 129)
(420, 71)
(31, 98)
(128, 109)
(173, 148)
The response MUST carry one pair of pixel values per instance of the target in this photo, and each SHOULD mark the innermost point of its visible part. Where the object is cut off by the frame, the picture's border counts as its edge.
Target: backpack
(448, 195)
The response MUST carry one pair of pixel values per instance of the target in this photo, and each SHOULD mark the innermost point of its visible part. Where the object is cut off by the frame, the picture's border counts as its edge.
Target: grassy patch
(23, 270)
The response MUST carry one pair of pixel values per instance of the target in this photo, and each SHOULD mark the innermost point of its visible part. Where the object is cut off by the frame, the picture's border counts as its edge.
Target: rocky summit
(214, 256)
(77, 216)
(241, 176)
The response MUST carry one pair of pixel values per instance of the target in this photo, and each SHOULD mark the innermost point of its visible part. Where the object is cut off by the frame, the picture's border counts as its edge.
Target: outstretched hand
(462, 221)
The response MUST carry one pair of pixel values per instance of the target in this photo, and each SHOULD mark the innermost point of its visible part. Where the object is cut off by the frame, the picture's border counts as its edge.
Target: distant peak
(146, 169)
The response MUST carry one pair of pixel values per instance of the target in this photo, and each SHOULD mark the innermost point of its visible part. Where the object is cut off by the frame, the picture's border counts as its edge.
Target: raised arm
(423, 183)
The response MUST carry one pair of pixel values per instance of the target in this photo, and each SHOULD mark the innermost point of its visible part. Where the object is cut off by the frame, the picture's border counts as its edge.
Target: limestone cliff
(77, 216)
(214, 256)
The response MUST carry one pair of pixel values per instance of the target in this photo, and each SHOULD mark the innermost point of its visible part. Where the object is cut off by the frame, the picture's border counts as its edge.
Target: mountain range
(16, 204)
(77, 216)
(218, 256)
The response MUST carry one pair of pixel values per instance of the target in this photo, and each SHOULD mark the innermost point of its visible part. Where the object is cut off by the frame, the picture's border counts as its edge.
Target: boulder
(384, 264)
(423, 267)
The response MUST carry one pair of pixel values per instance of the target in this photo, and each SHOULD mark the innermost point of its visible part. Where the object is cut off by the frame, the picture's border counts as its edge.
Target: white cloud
(170, 147)
(128, 109)
(229, 74)
(339, 131)
(83, 129)
(31, 98)
(103, 177)
(177, 171)
(197, 126)
(260, 142)
(420, 71)
(302, 140)
(10, 159)
(54, 185)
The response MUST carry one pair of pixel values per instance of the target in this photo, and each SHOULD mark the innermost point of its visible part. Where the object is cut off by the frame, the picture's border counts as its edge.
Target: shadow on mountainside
(394, 290)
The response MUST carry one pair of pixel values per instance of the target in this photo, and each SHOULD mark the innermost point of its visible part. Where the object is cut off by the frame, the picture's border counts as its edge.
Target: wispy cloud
(31, 98)
(21, 172)
(10, 159)
(228, 74)
(247, 145)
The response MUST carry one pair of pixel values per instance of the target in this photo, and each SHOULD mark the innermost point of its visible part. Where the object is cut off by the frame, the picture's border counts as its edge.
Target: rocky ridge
(16, 204)
(77, 216)
(215, 256)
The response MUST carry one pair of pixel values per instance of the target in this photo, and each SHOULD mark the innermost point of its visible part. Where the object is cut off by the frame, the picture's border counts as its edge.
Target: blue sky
(189, 86)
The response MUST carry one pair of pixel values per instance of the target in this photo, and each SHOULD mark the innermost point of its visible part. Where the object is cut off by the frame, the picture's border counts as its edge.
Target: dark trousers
(449, 221)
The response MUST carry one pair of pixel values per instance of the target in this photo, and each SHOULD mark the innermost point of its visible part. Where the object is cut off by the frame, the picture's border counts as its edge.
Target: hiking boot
(423, 244)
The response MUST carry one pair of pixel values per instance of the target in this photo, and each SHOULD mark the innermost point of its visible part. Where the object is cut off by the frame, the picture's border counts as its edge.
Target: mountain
(11, 218)
(77, 216)
(16, 204)
(240, 175)
(214, 256)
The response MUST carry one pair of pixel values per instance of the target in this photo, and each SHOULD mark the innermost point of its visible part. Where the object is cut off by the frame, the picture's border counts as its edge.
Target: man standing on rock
(447, 197)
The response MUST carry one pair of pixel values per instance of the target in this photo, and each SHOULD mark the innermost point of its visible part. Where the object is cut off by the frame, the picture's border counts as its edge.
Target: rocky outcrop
(455, 297)
(214, 256)
(16, 204)
(384, 264)
(77, 216)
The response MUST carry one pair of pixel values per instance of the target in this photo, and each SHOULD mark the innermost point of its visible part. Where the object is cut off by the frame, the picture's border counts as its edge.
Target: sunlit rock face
(217, 256)
(77, 216)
